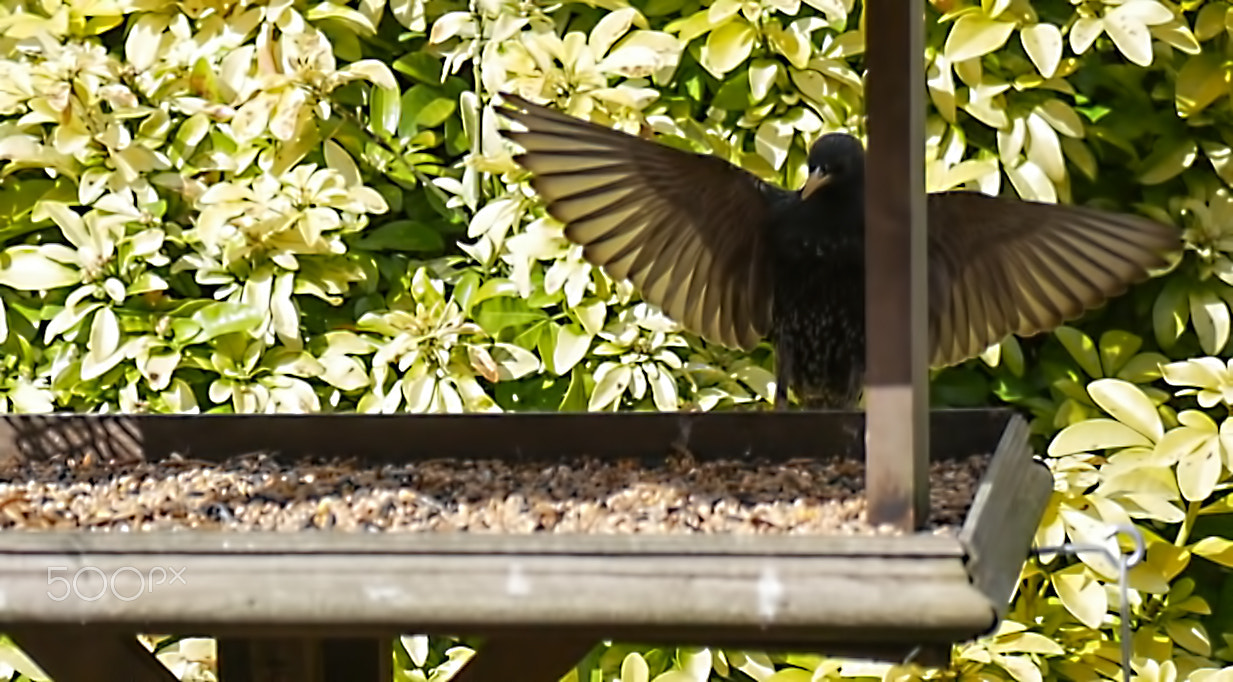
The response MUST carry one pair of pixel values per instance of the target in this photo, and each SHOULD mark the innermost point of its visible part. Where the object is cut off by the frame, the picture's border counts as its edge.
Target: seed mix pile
(259, 492)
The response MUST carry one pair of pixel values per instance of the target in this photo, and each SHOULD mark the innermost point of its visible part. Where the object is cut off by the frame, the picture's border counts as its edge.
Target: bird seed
(583, 495)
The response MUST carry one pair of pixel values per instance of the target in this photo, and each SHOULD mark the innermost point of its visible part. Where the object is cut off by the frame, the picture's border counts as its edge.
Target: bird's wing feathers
(1000, 266)
(689, 231)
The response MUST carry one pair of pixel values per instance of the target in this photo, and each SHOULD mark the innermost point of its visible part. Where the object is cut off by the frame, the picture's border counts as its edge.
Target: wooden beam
(81, 654)
(304, 659)
(527, 657)
(513, 436)
(896, 396)
(912, 589)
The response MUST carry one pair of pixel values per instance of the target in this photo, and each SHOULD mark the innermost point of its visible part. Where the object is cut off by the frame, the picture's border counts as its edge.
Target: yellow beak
(816, 181)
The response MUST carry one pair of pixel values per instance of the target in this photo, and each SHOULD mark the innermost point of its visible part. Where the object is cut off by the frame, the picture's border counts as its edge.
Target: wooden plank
(359, 659)
(526, 436)
(78, 654)
(340, 543)
(841, 599)
(1006, 510)
(304, 659)
(897, 395)
(272, 659)
(527, 657)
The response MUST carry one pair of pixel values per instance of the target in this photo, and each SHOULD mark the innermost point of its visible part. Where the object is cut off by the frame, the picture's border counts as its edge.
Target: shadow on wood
(83, 654)
(515, 436)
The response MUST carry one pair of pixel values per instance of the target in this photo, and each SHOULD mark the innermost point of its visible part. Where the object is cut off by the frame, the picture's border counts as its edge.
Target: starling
(734, 259)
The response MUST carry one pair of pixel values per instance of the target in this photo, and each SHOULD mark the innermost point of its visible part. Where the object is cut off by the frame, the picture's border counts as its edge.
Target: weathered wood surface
(442, 592)
(897, 382)
(75, 653)
(514, 436)
(339, 543)
(1005, 512)
(289, 659)
(526, 657)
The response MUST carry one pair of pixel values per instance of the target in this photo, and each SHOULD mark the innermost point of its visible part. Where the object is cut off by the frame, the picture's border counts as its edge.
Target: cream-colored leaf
(1198, 472)
(609, 29)
(974, 35)
(1128, 404)
(144, 39)
(611, 380)
(772, 141)
(1084, 32)
(572, 345)
(1081, 595)
(1043, 43)
(29, 268)
(1215, 549)
(1031, 183)
(1210, 315)
(762, 74)
(1044, 149)
(1095, 434)
(727, 47)
(1130, 34)
(634, 668)
(375, 71)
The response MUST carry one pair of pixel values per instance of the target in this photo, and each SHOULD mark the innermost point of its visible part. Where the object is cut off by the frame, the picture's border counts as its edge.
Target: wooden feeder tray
(872, 595)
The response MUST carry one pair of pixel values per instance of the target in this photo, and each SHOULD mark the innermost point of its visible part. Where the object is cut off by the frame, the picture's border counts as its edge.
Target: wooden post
(896, 396)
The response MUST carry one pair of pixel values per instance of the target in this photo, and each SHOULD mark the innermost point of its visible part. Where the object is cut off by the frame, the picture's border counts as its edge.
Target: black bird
(733, 258)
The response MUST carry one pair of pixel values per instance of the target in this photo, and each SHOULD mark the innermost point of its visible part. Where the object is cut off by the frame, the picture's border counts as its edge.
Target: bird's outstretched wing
(1001, 266)
(688, 230)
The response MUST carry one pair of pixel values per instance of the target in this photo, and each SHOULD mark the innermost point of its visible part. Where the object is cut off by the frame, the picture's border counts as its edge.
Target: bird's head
(835, 160)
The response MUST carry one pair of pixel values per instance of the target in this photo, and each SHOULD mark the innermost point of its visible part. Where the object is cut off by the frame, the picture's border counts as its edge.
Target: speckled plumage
(818, 315)
(735, 259)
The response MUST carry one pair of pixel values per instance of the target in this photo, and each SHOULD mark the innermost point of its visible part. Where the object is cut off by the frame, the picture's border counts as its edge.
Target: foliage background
(281, 205)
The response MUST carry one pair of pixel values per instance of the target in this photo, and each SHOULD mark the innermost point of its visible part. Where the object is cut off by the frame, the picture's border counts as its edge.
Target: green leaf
(1117, 347)
(575, 399)
(1202, 80)
(386, 110)
(1169, 158)
(429, 106)
(225, 317)
(1190, 634)
(1082, 349)
(1170, 313)
(402, 236)
(421, 66)
(498, 314)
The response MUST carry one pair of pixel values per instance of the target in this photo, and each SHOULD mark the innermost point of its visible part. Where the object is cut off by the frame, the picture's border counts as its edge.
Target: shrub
(216, 206)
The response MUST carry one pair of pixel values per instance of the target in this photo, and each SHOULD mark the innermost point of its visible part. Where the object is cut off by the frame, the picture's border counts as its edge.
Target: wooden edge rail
(1001, 523)
(511, 436)
(912, 599)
